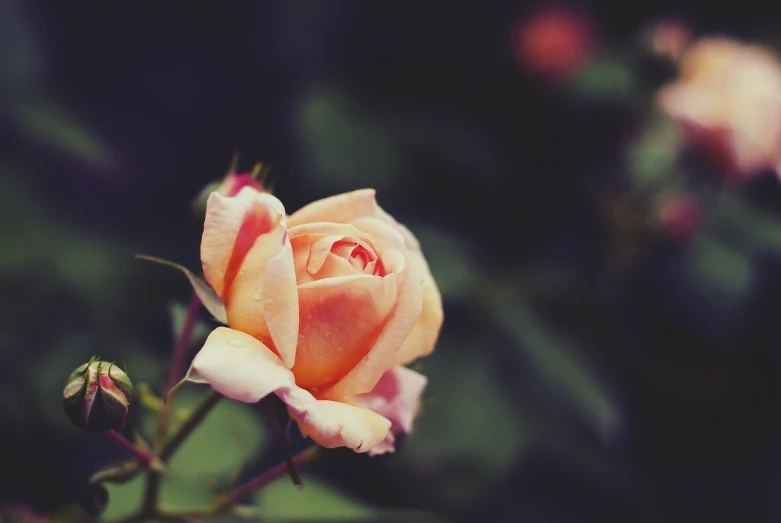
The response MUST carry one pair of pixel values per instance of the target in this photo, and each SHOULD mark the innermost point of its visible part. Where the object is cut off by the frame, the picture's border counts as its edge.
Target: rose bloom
(324, 308)
(728, 101)
(554, 41)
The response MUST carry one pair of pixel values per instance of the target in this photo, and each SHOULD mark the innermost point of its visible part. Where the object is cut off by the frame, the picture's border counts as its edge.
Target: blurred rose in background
(728, 100)
(554, 41)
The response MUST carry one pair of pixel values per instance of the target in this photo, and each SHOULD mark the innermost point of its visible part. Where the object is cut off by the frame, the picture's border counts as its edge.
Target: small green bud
(97, 396)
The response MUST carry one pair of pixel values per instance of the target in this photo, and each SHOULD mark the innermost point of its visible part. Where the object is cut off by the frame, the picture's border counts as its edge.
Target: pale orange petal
(262, 299)
(381, 231)
(423, 338)
(239, 366)
(320, 249)
(410, 274)
(342, 208)
(396, 397)
(385, 446)
(424, 335)
(409, 238)
(320, 229)
(224, 218)
(242, 368)
(334, 424)
(340, 319)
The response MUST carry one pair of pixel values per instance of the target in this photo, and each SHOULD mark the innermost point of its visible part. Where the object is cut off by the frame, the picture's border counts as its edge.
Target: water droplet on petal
(301, 338)
(308, 316)
(235, 342)
(339, 348)
(256, 296)
(327, 334)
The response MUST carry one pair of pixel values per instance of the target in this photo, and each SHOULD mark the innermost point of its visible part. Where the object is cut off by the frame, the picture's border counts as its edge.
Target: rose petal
(381, 232)
(334, 424)
(279, 298)
(319, 251)
(385, 446)
(340, 319)
(396, 397)
(321, 229)
(424, 335)
(262, 300)
(406, 312)
(409, 238)
(242, 368)
(224, 220)
(239, 366)
(423, 338)
(336, 267)
(342, 208)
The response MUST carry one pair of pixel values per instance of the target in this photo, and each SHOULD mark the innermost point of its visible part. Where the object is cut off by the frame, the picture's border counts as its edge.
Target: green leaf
(50, 124)
(719, 269)
(653, 157)
(468, 400)
(281, 500)
(343, 146)
(230, 437)
(604, 76)
(206, 294)
(125, 499)
(755, 232)
(557, 362)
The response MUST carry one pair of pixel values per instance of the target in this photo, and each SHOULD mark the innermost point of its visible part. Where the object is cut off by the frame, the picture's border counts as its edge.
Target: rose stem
(142, 455)
(264, 479)
(172, 444)
(167, 448)
(177, 359)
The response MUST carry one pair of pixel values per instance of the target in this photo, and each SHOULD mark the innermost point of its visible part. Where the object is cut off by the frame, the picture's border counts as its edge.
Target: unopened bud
(97, 396)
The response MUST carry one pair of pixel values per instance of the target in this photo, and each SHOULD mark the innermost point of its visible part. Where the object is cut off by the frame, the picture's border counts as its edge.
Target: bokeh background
(611, 337)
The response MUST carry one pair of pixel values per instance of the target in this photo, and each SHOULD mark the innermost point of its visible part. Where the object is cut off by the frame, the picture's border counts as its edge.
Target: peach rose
(728, 100)
(324, 308)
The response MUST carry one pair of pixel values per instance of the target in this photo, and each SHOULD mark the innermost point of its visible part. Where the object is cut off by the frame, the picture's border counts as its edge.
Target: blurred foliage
(230, 437)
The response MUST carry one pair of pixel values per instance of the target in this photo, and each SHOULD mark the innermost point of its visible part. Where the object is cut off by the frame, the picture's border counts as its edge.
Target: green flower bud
(97, 396)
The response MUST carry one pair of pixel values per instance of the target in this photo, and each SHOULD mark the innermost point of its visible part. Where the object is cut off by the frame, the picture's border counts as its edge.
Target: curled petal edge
(242, 368)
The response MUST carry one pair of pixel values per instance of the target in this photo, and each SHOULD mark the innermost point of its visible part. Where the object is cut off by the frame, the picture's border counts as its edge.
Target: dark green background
(586, 372)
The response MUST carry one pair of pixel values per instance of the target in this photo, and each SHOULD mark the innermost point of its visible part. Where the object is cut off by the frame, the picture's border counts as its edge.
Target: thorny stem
(166, 449)
(260, 481)
(144, 456)
(118, 474)
(177, 359)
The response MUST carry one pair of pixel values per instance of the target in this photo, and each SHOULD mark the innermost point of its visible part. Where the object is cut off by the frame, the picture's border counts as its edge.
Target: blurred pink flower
(728, 101)
(679, 217)
(670, 38)
(554, 41)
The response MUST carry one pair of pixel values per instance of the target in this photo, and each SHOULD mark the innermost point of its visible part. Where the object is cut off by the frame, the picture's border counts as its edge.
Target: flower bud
(228, 186)
(97, 396)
